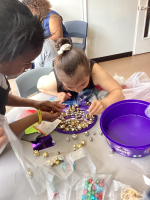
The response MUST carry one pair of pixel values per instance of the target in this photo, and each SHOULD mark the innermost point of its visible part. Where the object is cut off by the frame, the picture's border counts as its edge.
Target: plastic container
(127, 128)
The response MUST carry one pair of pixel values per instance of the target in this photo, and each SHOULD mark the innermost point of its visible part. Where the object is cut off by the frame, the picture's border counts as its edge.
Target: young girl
(21, 41)
(73, 73)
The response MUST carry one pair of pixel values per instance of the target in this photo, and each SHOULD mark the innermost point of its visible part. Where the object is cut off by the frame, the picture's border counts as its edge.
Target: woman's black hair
(19, 30)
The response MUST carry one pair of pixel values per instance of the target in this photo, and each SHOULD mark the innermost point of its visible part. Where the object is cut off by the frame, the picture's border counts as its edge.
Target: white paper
(48, 127)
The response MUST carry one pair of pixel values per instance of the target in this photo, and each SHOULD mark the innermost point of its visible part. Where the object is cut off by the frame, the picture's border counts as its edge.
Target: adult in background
(52, 21)
(54, 29)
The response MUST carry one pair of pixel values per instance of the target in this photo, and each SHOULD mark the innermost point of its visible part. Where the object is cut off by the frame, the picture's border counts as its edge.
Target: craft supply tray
(82, 108)
(127, 128)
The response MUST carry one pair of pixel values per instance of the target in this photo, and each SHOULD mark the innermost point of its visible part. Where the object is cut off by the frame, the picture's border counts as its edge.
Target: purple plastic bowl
(83, 108)
(127, 128)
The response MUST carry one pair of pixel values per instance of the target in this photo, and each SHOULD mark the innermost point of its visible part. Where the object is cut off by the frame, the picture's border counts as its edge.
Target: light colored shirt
(49, 52)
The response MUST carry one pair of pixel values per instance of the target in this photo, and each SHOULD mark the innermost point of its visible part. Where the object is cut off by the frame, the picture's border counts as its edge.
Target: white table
(13, 185)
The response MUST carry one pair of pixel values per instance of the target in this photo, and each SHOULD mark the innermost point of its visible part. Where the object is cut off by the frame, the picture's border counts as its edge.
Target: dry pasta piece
(130, 194)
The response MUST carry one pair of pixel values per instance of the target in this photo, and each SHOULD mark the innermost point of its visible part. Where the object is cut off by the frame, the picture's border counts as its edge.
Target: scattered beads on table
(45, 154)
(36, 153)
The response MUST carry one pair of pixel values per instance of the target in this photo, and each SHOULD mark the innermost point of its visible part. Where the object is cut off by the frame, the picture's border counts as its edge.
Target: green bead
(93, 192)
(88, 194)
(86, 182)
(97, 181)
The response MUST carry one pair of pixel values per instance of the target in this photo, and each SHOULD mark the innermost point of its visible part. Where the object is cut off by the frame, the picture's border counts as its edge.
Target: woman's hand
(3, 138)
(48, 106)
(47, 116)
(96, 108)
(62, 96)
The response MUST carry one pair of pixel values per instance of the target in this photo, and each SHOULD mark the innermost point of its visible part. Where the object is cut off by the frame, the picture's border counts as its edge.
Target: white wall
(111, 27)
(111, 24)
(68, 9)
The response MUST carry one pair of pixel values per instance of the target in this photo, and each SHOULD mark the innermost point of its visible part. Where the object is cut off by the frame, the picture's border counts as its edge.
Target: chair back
(77, 29)
(26, 83)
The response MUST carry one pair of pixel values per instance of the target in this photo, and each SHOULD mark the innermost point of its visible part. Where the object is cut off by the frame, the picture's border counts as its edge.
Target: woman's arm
(25, 102)
(55, 26)
(102, 78)
(18, 126)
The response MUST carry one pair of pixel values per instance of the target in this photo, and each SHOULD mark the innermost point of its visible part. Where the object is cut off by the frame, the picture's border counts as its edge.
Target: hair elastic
(65, 47)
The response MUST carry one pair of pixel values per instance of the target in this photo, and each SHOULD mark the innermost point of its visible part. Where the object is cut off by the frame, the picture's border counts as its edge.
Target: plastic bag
(137, 87)
(59, 186)
(118, 191)
(84, 96)
(119, 79)
(34, 176)
(143, 163)
(94, 187)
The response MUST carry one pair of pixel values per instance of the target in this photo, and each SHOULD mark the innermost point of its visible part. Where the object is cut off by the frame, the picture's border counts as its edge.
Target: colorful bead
(89, 190)
(90, 180)
(88, 194)
(74, 166)
(85, 191)
(102, 182)
(97, 181)
(92, 198)
(83, 197)
(63, 166)
(85, 187)
(93, 192)
(86, 182)
(93, 188)
(101, 189)
(54, 194)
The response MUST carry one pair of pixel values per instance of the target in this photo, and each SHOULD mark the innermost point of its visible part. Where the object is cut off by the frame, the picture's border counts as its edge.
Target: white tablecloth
(13, 185)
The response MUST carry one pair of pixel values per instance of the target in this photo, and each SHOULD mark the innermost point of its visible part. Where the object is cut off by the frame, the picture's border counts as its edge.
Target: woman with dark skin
(21, 41)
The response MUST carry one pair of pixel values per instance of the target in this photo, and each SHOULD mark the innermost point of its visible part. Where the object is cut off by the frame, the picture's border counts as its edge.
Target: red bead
(100, 196)
(90, 180)
(94, 183)
(54, 194)
(102, 182)
(84, 191)
(93, 188)
(97, 195)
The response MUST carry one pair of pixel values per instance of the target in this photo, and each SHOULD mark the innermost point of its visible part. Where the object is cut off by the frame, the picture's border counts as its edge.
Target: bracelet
(40, 116)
